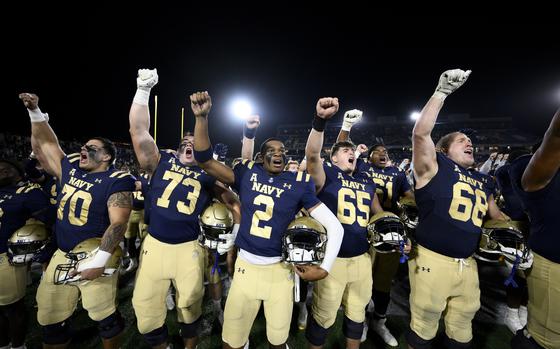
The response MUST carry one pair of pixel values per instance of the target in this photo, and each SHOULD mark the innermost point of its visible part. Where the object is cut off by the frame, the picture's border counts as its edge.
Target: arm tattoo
(113, 235)
(121, 199)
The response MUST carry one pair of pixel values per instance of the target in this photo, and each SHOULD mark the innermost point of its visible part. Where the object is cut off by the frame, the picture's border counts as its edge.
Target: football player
(354, 201)
(391, 185)
(270, 198)
(19, 201)
(516, 313)
(452, 201)
(179, 191)
(136, 224)
(536, 180)
(94, 201)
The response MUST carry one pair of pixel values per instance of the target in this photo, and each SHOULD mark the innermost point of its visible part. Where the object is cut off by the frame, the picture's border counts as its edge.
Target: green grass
(487, 336)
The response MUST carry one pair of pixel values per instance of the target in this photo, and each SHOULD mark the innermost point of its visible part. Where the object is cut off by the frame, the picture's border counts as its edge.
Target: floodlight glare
(414, 116)
(241, 108)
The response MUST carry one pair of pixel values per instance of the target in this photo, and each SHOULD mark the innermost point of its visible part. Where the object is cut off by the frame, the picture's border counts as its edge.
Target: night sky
(83, 67)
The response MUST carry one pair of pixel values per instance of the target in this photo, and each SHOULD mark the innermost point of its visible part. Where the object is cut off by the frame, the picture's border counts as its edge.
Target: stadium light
(241, 108)
(414, 116)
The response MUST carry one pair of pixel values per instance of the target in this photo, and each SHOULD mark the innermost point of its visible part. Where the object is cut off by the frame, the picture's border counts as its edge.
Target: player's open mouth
(382, 159)
(351, 160)
(468, 151)
(277, 162)
(188, 151)
(83, 158)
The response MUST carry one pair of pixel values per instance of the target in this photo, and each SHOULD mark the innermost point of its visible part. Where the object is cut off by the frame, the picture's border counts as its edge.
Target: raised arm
(201, 103)
(325, 109)
(546, 161)
(249, 132)
(43, 136)
(145, 147)
(351, 117)
(423, 147)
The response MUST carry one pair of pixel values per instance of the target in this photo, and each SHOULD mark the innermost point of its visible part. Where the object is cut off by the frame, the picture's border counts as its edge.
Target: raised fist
(327, 107)
(30, 100)
(351, 117)
(147, 78)
(253, 121)
(362, 148)
(450, 81)
(201, 103)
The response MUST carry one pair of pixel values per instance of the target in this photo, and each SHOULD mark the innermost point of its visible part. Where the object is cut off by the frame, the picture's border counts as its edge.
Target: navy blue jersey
(513, 206)
(268, 205)
(543, 207)
(451, 209)
(82, 201)
(391, 183)
(50, 187)
(17, 204)
(350, 200)
(177, 196)
(138, 195)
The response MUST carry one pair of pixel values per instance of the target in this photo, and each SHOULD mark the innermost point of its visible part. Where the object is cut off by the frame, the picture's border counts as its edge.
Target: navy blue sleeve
(239, 171)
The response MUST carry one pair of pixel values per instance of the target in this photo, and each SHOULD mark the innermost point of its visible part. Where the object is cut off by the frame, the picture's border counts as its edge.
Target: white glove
(147, 78)
(449, 81)
(229, 240)
(350, 118)
(99, 260)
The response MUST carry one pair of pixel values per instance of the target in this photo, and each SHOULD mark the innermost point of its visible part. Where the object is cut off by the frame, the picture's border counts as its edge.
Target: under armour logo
(286, 185)
(97, 180)
(457, 169)
(270, 180)
(240, 270)
(425, 269)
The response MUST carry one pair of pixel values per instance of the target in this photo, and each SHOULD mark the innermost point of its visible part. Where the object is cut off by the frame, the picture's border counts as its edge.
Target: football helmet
(304, 241)
(84, 252)
(387, 232)
(27, 242)
(216, 219)
(505, 239)
(408, 212)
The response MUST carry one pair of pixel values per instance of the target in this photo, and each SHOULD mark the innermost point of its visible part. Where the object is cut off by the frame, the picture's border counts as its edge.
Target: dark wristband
(204, 155)
(319, 124)
(249, 133)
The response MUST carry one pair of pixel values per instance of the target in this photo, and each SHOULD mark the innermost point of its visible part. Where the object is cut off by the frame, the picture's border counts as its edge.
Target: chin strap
(216, 266)
(510, 278)
(404, 257)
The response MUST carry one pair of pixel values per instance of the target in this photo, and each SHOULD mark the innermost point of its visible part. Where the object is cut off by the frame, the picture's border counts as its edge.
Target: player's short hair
(264, 144)
(109, 147)
(444, 142)
(343, 144)
(373, 148)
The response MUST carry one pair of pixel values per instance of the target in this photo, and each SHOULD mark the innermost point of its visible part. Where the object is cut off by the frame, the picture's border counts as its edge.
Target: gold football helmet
(27, 242)
(304, 241)
(387, 232)
(84, 252)
(216, 219)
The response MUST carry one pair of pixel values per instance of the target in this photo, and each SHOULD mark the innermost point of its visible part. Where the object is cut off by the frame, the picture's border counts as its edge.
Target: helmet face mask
(408, 213)
(504, 239)
(387, 232)
(84, 252)
(304, 242)
(26, 243)
(216, 219)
